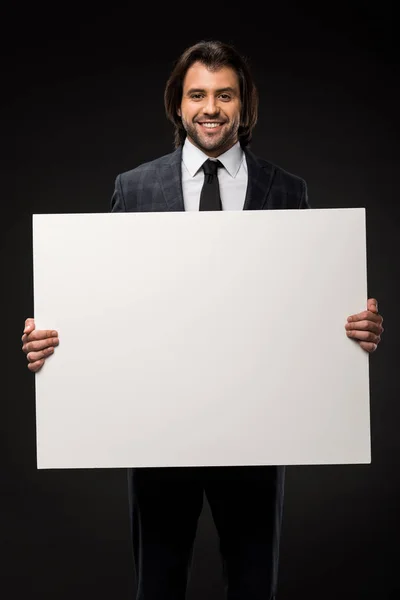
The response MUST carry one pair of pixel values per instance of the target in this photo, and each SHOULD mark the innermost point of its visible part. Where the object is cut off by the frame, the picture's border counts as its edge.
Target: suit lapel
(259, 182)
(170, 176)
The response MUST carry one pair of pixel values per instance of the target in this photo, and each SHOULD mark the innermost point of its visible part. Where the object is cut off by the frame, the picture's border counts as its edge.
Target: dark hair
(214, 55)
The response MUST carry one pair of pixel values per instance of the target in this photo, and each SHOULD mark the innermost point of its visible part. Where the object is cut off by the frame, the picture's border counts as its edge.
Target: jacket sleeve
(117, 199)
(304, 203)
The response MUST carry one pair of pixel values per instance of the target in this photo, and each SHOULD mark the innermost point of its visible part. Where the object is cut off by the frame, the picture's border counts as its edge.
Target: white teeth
(211, 125)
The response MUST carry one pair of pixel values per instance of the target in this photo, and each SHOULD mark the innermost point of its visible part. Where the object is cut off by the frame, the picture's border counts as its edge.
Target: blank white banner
(201, 338)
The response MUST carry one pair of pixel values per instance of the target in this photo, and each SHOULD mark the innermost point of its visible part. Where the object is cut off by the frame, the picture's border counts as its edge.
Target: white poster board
(201, 338)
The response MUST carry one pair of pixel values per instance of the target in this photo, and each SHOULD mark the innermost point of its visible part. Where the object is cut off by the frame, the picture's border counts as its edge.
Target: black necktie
(209, 197)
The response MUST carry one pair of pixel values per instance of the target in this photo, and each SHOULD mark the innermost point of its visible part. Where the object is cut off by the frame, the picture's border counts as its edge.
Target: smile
(210, 124)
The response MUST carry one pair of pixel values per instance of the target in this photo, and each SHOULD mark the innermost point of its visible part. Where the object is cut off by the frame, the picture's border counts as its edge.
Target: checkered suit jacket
(156, 186)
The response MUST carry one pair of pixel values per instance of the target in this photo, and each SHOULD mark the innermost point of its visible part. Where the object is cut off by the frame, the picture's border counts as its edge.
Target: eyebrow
(225, 89)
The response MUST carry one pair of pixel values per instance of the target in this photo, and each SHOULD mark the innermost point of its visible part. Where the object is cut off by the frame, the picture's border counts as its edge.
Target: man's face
(210, 108)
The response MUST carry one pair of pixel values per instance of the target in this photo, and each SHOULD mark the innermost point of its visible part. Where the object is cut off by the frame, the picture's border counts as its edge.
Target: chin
(212, 144)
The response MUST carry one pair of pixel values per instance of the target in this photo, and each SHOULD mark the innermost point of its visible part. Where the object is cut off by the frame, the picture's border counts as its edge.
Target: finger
(368, 346)
(29, 325)
(36, 346)
(35, 366)
(372, 305)
(39, 334)
(365, 336)
(365, 315)
(35, 356)
(373, 326)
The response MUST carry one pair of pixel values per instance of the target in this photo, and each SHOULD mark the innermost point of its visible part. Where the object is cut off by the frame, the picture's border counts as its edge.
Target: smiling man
(212, 102)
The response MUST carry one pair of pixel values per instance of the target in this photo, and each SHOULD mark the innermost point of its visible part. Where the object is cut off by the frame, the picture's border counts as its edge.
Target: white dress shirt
(232, 178)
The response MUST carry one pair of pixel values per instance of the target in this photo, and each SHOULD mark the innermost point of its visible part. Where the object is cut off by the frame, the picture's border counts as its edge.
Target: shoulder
(150, 168)
(141, 188)
(287, 189)
(279, 173)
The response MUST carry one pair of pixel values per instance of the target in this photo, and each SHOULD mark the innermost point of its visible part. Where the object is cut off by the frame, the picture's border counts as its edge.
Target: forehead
(198, 76)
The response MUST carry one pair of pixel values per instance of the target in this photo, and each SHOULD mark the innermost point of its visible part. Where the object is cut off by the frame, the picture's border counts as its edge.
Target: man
(212, 102)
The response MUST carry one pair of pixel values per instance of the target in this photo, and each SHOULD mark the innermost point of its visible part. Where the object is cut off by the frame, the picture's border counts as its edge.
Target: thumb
(29, 325)
(372, 305)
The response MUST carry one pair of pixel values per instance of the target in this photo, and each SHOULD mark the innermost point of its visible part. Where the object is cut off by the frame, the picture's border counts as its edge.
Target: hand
(366, 327)
(38, 344)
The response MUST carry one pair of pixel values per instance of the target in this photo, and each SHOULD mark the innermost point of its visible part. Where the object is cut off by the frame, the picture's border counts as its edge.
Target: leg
(165, 506)
(246, 503)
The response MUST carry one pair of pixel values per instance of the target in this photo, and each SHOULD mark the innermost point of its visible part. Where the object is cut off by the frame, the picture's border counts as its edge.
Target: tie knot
(210, 167)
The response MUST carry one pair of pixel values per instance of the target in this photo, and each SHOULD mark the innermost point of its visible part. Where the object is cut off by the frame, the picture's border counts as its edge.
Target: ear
(178, 112)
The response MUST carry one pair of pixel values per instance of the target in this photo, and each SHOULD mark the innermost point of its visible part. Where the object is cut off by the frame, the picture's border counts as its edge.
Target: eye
(197, 96)
(225, 97)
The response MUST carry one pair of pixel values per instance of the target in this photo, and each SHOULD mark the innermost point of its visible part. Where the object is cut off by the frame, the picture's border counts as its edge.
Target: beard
(213, 142)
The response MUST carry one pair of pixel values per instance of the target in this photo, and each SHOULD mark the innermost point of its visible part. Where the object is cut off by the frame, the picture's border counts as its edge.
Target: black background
(82, 100)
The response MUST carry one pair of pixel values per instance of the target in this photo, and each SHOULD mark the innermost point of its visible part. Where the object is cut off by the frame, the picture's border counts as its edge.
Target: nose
(210, 106)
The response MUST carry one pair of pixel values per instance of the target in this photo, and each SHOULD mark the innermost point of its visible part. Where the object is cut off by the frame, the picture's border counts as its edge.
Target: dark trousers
(246, 504)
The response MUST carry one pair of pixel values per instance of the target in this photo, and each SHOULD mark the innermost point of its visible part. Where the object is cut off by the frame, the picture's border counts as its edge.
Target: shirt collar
(193, 158)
